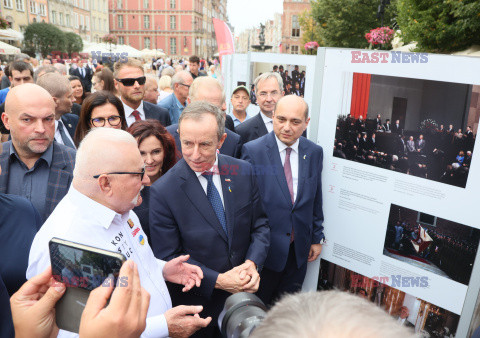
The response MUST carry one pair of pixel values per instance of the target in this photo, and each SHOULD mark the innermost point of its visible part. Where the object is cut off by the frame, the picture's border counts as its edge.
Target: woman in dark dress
(158, 151)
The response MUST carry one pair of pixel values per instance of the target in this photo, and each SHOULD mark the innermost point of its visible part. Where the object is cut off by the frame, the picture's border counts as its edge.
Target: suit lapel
(228, 187)
(146, 110)
(303, 164)
(261, 128)
(4, 165)
(276, 163)
(195, 193)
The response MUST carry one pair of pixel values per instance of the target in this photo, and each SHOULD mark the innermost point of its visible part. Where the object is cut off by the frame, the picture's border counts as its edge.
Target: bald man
(291, 192)
(108, 177)
(175, 103)
(208, 89)
(65, 122)
(33, 165)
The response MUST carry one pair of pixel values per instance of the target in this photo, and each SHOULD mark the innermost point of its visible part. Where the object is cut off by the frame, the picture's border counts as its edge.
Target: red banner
(224, 38)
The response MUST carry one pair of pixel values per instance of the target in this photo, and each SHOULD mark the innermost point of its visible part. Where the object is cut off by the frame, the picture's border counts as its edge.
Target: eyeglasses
(272, 94)
(183, 84)
(142, 173)
(128, 82)
(113, 120)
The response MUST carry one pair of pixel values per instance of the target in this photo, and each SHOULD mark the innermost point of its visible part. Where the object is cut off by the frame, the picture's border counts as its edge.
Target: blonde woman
(164, 87)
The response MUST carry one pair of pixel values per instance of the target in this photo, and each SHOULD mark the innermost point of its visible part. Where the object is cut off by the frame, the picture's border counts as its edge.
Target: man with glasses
(65, 122)
(175, 103)
(268, 90)
(108, 177)
(130, 83)
(33, 165)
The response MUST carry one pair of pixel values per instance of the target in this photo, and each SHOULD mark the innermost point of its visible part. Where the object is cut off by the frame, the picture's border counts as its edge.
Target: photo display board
(400, 196)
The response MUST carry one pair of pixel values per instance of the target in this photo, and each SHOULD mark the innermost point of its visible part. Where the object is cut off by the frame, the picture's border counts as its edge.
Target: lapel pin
(69, 125)
(304, 156)
(229, 189)
(228, 180)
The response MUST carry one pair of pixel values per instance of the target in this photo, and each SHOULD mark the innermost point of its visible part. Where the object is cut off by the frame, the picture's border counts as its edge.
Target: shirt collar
(213, 169)
(47, 156)
(178, 103)
(282, 146)
(129, 110)
(265, 118)
(98, 213)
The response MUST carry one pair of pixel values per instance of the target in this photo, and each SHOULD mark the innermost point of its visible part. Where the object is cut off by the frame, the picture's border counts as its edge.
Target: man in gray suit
(130, 83)
(410, 145)
(33, 165)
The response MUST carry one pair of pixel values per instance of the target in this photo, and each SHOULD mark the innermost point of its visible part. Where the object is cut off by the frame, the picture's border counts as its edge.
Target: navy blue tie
(216, 201)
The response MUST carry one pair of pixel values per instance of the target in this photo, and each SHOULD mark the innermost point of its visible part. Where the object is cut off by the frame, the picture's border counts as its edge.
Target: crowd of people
(451, 253)
(438, 154)
(174, 185)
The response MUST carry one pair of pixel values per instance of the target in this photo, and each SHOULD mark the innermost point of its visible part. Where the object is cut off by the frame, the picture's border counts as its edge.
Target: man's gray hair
(168, 71)
(179, 78)
(62, 69)
(204, 81)
(21, 57)
(269, 75)
(44, 70)
(329, 314)
(196, 110)
(57, 85)
(94, 151)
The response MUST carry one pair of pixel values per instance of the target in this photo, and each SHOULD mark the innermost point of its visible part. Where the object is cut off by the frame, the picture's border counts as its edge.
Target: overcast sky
(245, 14)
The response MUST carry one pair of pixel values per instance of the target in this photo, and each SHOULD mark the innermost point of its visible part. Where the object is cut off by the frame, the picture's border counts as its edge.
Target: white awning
(7, 49)
(10, 34)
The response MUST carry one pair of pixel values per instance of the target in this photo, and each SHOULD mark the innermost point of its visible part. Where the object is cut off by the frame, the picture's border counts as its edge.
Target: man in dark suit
(85, 73)
(130, 83)
(212, 212)
(268, 90)
(288, 169)
(32, 157)
(210, 90)
(65, 122)
(387, 126)
(396, 128)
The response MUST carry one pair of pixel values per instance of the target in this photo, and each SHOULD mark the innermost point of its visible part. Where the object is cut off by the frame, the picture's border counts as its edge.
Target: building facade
(61, 14)
(81, 18)
(16, 13)
(291, 31)
(37, 10)
(98, 19)
(179, 27)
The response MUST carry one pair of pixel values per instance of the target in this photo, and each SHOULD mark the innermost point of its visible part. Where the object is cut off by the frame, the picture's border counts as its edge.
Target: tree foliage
(440, 25)
(43, 37)
(344, 23)
(73, 43)
(310, 29)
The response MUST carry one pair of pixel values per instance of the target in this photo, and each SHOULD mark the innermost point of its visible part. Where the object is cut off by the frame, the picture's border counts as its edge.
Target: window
(119, 4)
(43, 10)
(94, 23)
(145, 4)
(173, 45)
(60, 18)
(54, 17)
(7, 3)
(33, 7)
(87, 22)
(87, 5)
(173, 4)
(146, 22)
(20, 5)
(76, 20)
(121, 40)
(173, 22)
(67, 20)
(120, 21)
(82, 22)
(146, 43)
(294, 50)
(295, 26)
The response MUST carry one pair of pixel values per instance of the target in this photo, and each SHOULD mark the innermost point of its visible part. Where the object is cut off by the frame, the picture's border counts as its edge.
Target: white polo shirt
(80, 219)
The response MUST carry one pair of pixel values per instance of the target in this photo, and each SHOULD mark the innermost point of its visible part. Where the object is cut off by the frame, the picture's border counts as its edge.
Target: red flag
(224, 38)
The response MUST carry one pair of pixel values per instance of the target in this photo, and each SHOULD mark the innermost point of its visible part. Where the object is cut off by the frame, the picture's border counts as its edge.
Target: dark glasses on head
(128, 82)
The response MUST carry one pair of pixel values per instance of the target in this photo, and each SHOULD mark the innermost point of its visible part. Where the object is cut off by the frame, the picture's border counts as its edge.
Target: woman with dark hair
(103, 80)
(158, 151)
(100, 109)
(78, 90)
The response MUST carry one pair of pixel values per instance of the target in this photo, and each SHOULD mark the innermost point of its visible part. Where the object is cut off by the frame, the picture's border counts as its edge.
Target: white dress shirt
(58, 136)
(216, 180)
(268, 122)
(128, 113)
(78, 218)
(282, 148)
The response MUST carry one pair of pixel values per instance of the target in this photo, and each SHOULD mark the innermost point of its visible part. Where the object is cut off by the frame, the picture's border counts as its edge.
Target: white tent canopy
(7, 49)
(10, 34)
(107, 48)
(152, 52)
